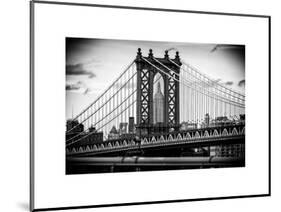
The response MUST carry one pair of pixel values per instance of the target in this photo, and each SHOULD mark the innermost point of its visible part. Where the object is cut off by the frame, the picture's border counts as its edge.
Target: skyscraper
(207, 120)
(158, 105)
(123, 128)
(113, 134)
(131, 124)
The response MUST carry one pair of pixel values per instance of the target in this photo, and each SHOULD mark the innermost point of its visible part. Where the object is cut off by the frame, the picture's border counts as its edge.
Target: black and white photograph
(143, 105)
(133, 105)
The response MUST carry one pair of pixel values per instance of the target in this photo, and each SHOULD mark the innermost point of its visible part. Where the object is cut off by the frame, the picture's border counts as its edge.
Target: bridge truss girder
(145, 81)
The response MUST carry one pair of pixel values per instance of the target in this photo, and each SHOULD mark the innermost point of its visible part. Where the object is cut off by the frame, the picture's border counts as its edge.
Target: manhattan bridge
(160, 111)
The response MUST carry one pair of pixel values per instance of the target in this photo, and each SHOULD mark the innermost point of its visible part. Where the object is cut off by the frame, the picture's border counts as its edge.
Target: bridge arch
(234, 131)
(179, 137)
(161, 138)
(224, 132)
(206, 133)
(197, 135)
(88, 149)
(188, 136)
(215, 133)
(145, 141)
(170, 138)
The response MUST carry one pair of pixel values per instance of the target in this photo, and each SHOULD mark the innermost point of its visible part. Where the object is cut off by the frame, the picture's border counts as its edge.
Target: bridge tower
(147, 68)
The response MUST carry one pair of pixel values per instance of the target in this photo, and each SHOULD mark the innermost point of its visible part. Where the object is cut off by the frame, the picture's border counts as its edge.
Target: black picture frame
(31, 106)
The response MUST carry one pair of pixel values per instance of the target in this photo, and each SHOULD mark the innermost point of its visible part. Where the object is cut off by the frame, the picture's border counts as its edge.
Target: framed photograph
(147, 105)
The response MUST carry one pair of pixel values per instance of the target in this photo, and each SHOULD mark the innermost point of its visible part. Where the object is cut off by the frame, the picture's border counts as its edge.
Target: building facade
(131, 124)
(158, 106)
(113, 134)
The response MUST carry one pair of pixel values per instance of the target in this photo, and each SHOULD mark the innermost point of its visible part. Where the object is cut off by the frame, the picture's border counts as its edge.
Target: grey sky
(93, 64)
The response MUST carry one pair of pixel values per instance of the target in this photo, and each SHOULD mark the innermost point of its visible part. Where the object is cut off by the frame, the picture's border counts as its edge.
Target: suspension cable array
(202, 99)
(106, 110)
(201, 96)
(115, 106)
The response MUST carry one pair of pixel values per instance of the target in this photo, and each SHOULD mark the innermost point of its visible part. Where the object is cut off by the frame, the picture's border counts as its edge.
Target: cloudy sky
(93, 64)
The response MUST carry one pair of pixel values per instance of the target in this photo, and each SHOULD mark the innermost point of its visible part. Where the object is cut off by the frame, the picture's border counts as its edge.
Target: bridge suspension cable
(104, 99)
(125, 99)
(210, 82)
(177, 79)
(207, 77)
(223, 90)
(217, 100)
(106, 102)
(199, 84)
(200, 95)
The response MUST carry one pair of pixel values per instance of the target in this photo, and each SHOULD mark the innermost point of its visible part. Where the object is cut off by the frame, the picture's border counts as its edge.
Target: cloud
(241, 83)
(227, 47)
(81, 88)
(228, 83)
(78, 87)
(71, 87)
(78, 69)
(74, 86)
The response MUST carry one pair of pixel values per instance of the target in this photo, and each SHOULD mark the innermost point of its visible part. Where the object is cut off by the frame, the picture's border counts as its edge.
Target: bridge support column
(145, 83)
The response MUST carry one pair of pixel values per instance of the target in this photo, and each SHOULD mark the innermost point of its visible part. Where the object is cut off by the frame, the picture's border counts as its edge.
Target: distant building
(158, 106)
(128, 136)
(123, 128)
(242, 117)
(221, 119)
(187, 126)
(73, 129)
(73, 126)
(207, 120)
(232, 150)
(113, 134)
(131, 124)
(92, 129)
(91, 138)
(76, 135)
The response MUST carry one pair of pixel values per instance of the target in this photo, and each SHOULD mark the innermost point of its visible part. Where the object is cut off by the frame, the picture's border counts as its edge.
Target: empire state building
(158, 105)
